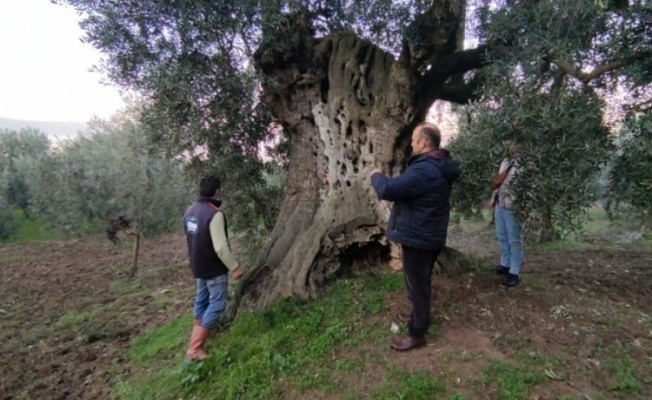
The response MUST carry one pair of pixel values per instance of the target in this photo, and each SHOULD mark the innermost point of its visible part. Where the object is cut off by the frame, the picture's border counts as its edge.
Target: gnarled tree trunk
(347, 106)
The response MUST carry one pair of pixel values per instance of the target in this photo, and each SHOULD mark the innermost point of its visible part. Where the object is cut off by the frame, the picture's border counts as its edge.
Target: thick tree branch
(434, 34)
(443, 59)
(460, 94)
(586, 77)
(432, 82)
(603, 69)
(458, 63)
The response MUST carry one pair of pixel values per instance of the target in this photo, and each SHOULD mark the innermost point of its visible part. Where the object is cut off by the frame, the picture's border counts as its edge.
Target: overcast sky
(44, 67)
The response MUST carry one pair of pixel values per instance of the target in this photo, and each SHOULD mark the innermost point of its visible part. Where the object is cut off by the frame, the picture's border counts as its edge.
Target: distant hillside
(56, 129)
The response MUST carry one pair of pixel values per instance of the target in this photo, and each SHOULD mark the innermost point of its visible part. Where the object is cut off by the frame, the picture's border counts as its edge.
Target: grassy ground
(578, 327)
(550, 338)
(33, 230)
(292, 346)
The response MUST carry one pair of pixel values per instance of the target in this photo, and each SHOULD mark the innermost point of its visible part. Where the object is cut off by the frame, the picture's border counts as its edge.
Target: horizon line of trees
(114, 179)
(109, 179)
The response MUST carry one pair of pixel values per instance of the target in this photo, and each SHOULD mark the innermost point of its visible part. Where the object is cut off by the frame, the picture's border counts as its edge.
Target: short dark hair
(431, 133)
(208, 185)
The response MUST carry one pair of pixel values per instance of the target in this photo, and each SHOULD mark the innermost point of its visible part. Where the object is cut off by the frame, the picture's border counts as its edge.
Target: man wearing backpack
(419, 221)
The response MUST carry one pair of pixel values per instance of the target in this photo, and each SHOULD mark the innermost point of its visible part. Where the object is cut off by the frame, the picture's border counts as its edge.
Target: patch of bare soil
(580, 319)
(66, 309)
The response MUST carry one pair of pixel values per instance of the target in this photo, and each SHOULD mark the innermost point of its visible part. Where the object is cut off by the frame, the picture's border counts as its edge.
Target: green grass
(517, 342)
(71, 318)
(297, 347)
(619, 366)
(566, 245)
(291, 342)
(596, 224)
(321, 348)
(480, 224)
(126, 286)
(161, 341)
(596, 221)
(626, 380)
(34, 230)
(405, 385)
(514, 382)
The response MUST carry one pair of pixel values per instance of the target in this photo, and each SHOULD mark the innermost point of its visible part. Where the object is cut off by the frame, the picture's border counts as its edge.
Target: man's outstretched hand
(375, 171)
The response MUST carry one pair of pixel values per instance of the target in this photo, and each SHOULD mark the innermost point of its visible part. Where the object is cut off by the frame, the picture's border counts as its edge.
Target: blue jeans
(510, 238)
(210, 301)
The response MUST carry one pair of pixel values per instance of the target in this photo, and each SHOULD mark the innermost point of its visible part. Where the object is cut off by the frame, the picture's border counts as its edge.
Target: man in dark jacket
(210, 261)
(419, 220)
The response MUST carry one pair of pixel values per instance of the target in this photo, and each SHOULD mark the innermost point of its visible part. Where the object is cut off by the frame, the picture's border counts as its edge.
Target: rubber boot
(197, 322)
(197, 339)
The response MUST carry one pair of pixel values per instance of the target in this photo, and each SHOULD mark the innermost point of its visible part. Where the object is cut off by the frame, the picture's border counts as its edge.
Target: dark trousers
(417, 269)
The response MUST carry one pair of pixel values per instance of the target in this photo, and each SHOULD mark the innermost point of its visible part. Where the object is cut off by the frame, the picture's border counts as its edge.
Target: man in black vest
(210, 261)
(419, 220)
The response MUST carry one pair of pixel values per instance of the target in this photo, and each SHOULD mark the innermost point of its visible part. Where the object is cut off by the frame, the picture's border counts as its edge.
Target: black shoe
(512, 280)
(409, 343)
(500, 270)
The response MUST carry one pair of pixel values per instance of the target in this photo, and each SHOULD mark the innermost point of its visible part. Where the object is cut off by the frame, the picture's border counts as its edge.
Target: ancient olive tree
(345, 81)
(110, 180)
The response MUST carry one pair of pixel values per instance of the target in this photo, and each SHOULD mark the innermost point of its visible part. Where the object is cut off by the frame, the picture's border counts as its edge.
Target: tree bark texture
(347, 106)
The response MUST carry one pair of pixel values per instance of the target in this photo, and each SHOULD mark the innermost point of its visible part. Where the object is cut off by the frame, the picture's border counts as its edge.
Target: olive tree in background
(9, 221)
(630, 176)
(564, 144)
(346, 81)
(17, 150)
(111, 178)
(478, 148)
(548, 90)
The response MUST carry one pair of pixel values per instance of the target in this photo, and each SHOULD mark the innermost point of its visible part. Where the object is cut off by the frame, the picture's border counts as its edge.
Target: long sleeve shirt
(220, 242)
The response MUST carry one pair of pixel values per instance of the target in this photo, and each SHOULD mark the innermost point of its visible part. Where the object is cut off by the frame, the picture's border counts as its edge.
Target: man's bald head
(430, 132)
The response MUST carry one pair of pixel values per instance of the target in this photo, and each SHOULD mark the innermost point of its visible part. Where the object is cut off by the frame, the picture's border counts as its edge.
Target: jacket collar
(437, 154)
(216, 202)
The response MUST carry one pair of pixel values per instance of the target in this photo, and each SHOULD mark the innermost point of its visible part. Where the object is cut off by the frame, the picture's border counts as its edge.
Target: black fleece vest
(204, 262)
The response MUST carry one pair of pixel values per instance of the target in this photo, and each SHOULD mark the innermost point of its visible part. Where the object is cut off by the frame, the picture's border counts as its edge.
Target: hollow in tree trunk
(346, 106)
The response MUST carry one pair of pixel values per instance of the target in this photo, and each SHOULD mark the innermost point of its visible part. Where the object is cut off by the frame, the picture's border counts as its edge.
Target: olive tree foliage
(195, 61)
(345, 83)
(19, 149)
(564, 144)
(545, 93)
(630, 175)
(9, 221)
(224, 78)
(111, 179)
(478, 147)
